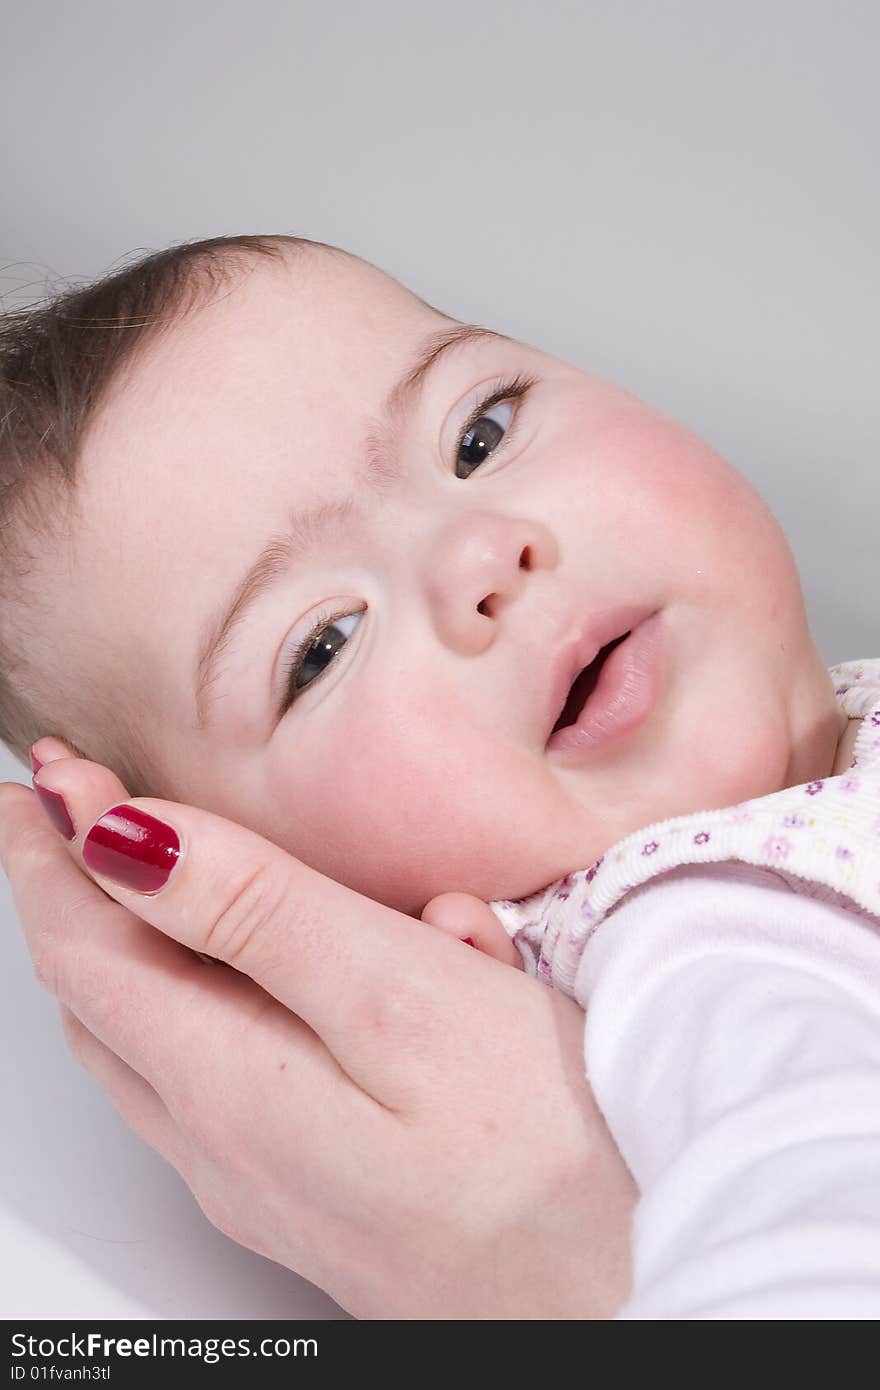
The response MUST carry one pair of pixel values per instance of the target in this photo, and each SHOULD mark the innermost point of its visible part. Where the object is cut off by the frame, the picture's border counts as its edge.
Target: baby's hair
(58, 361)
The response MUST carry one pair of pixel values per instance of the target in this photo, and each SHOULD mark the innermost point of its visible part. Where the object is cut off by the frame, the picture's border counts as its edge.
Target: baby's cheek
(387, 817)
(404, 803)
(407, 798)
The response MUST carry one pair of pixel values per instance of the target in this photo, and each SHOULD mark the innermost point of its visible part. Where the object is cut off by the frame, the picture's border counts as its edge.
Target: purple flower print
(843, 853)
(703, 838)
(776, 847)
(563, 892)
(814, 787)
(591, 873)
(651, 847)
(794, 821)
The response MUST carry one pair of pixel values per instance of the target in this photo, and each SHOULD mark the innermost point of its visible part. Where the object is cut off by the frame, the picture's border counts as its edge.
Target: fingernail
(35, 762)
(55, 806)
(132, 848)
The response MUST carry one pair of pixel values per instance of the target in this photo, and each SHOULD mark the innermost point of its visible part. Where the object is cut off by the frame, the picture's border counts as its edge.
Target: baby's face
(414, 759)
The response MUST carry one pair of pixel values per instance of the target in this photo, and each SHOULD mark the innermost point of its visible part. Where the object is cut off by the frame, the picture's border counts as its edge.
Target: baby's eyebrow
(311, 527)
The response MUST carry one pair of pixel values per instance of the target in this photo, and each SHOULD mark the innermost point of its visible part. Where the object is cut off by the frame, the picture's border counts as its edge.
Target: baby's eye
(480, 438)
(481, 434)
(314, 655)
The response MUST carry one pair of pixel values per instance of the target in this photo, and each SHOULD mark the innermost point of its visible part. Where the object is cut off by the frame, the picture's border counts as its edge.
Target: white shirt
(733, 1044)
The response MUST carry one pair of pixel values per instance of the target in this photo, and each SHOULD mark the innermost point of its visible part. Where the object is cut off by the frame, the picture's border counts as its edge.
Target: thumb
(463, 915)
(325, 952)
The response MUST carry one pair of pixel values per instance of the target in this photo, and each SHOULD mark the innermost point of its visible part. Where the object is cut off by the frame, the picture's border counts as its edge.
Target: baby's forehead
(315, 299)
(282, 357)
(318, 317)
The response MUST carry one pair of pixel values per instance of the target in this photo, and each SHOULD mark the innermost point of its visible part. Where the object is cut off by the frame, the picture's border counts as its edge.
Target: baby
(331, 561)
(466, 628)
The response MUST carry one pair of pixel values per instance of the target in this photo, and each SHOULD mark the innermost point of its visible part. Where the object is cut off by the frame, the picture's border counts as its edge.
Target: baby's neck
(844, 755)
(821, 736)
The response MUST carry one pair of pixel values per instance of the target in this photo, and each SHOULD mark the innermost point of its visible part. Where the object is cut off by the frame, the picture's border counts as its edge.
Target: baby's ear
(465, 916)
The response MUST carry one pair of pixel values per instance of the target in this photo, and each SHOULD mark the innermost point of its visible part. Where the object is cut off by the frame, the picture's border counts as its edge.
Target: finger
(18, 817)
(336, 959)
(25, 818)
(137, 1102)
(99, 785)
(443, 914)
(469, 918)
(48, 750)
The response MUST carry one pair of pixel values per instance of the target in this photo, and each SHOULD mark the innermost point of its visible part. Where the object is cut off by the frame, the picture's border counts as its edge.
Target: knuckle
(13, 798)
(77, 1037)
(46, 971)
(27, 850)
(107, 1009)
(70, 1024)
(200, 1117)
(199, 1123)
(222, 1216)
(51, 940)
(248, 913)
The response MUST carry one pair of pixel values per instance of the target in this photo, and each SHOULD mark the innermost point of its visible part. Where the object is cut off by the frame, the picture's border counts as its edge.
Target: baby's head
(256, 397)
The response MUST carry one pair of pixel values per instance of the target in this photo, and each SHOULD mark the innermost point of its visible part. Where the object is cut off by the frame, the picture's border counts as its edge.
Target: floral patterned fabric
(822, 837)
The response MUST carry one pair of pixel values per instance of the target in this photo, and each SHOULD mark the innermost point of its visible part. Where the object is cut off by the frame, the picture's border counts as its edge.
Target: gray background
(680, 197)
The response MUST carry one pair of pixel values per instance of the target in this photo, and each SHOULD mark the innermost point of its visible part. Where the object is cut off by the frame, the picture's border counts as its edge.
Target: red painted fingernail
(55, 806)
(35, 762)
(132, 848)
(467, 941)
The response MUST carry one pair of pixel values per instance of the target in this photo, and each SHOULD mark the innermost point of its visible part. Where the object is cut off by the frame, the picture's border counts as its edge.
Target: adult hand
(401, 1120)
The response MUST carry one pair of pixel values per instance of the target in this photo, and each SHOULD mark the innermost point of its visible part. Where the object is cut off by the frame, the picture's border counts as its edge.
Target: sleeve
(733, 1043)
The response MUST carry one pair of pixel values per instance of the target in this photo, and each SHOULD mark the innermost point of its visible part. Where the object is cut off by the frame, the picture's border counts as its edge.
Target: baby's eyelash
(325, 620)
(516, 387)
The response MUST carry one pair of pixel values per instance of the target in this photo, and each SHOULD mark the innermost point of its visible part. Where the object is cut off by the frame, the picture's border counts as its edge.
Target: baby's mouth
(584, 684)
